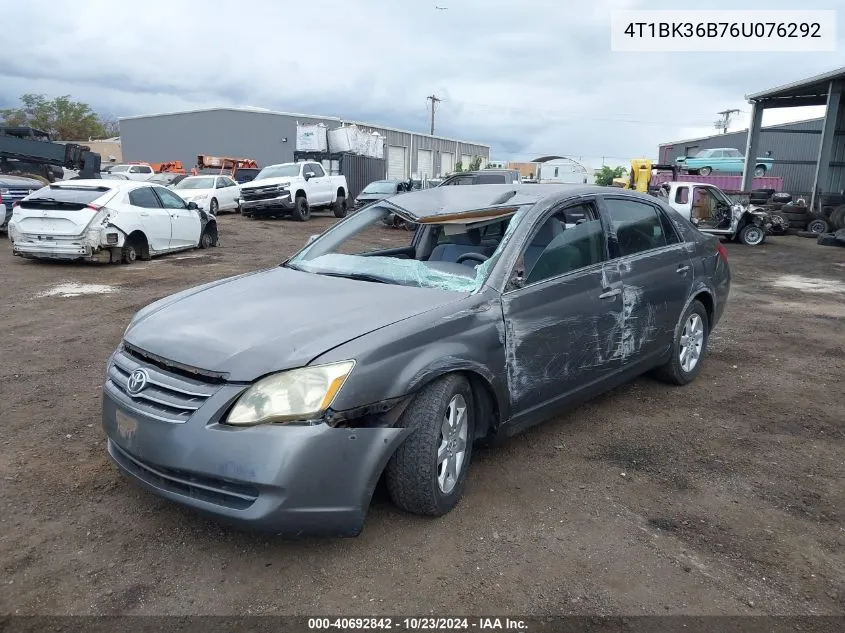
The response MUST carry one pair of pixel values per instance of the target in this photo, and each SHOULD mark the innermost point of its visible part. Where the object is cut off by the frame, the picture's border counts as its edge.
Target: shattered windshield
(371, 246)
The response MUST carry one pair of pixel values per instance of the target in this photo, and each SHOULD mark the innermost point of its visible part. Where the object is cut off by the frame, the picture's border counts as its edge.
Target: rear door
(558, 316)
(186, 222)
(655, 271)
(155, 220)
(230, 192)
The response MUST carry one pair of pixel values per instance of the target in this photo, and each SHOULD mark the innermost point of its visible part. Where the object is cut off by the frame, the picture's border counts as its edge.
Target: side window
(559, 247)
(169, 200)
(145, 169)
(682, 195)
(489, 179)
(221, 182)
(230, 182)
(637, 225)
(144, 198)
(317, 169)
(135, 169)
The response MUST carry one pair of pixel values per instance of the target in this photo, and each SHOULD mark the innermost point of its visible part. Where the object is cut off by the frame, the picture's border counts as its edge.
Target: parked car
(726, 160)
(166, 178)
(379, 190)
(13, 189)
(210, 193)
(506, 305)
(483, 177)
(111, 176)
(710, 209)
(133, 171)
(107, 221)
(294, 189)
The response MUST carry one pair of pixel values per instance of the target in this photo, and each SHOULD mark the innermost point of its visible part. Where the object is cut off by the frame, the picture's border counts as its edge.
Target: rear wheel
(427, 473)
(301, 210)
(214, 206)
(760, 170)
(705, 171)
(689, 346)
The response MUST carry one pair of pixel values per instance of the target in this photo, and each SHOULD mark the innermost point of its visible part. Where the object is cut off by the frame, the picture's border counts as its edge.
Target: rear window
(74, 195)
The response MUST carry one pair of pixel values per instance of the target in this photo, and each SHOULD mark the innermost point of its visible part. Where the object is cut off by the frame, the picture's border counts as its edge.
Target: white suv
(133, 172)
(107, 221)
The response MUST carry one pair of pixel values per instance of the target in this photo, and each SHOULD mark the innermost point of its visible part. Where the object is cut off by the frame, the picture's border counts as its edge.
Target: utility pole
(434, 101)
(724, 122)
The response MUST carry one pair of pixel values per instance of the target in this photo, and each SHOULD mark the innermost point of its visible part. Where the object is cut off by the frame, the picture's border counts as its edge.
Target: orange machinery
(223, 164)
(169, 167)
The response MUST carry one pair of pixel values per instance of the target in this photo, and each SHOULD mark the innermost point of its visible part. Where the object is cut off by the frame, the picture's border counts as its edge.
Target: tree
(606, 175)
(61, 117)
(459, 167)
(111, 128)
(475, 163)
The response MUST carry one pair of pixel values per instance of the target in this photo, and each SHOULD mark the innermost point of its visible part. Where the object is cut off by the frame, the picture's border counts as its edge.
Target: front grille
(209, 489)
(16, 195)
(261, 193)
(167, 396)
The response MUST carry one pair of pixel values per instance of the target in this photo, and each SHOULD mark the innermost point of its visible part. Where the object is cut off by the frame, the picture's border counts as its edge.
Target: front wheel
(752, 235)
(689, 346)
(206, 239)
(129, 254)
(705, 171)
(301, 210)
(760, 170)
(427, 473)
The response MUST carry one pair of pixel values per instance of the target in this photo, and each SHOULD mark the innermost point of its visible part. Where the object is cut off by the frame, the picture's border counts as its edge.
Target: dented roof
(477, 202)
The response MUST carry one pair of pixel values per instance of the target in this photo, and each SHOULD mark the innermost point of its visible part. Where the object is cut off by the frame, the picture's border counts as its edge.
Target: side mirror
(308, 175)
(193, 206)
(312, 238)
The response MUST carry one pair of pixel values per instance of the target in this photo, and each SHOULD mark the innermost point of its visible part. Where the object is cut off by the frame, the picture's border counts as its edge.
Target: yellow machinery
(640, 176)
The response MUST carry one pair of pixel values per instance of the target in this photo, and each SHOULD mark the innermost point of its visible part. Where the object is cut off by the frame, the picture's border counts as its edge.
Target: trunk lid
(61, 211)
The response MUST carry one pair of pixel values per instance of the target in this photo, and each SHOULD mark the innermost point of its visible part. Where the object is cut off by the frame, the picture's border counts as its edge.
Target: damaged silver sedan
(278, 399)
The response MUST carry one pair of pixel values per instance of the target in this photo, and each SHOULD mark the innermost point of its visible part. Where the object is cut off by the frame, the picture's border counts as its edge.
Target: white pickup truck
(710, 209)
(293, 189)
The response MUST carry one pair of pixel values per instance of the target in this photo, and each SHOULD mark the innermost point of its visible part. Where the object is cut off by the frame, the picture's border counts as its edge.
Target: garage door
(466, 159)
(396, 162)
(425, 164)
(447, 163)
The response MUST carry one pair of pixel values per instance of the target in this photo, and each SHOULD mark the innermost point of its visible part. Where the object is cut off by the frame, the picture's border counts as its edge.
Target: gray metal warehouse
(796, 142)
(270, 137)
(810, 155)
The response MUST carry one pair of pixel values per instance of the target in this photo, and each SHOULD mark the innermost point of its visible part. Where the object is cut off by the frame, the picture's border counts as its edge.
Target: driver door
(705, 207)
(320, 185)
(185, 222)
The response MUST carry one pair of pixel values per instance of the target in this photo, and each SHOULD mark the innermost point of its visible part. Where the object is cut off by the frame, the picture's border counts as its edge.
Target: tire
(130, 253)
(675, 372)
(827, 239)
(807, 234)
(301, 211)
(412, 474)
(752, 235)
(705, 171)
(214, 207)
(837, 217)
(782, 197)
(760, 170)
(206, 239)
(818, 224)
(339, 207)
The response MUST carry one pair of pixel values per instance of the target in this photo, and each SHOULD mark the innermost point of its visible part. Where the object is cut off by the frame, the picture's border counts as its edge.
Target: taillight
(723, 252)
(93, 207)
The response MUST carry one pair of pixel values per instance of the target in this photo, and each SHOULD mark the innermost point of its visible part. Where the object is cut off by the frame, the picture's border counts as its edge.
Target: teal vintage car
(722, 159)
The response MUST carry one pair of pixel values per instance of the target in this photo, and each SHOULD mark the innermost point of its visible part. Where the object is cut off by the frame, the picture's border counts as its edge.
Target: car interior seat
(469, 242)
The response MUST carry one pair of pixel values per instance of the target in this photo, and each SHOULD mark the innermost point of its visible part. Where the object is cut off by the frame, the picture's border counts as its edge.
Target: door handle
(611, 293)
(144, 213)
(682, 270)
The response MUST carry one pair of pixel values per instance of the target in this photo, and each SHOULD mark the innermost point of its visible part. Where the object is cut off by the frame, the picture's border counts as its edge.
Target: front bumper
(268, 206)
(293, 480)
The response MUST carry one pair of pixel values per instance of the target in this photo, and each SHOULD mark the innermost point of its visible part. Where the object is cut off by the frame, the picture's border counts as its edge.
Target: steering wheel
(478, 257)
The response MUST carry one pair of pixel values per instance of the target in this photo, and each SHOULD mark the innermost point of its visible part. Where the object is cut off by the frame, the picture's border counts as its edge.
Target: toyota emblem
(137, 381)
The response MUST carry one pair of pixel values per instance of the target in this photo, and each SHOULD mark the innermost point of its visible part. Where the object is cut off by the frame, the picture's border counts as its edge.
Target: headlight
(298, 394)
(201, 196)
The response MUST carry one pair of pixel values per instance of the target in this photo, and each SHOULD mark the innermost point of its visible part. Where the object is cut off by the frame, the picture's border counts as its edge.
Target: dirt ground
(722, 497)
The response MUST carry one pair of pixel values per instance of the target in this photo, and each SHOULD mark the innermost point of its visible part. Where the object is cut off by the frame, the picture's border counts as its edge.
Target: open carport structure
(824, 89)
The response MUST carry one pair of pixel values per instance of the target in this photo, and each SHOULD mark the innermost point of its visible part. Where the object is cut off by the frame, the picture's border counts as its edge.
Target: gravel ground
(723, 497)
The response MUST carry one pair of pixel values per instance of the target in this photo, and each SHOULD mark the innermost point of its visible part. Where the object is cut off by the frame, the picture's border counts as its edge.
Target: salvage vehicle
(210, 193)
(482, 177)
(293, 189)
(379, 190)
(107, 221)
(722, 159)
(712, 212)
(13, 189)
(508, 304)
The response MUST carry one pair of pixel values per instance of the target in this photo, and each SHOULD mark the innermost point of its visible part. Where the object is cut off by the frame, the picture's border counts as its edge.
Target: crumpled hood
(277, 319)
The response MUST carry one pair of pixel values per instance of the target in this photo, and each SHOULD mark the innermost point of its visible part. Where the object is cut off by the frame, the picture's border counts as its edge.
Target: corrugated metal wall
(836, 175)
(360, 171)
(792, 141)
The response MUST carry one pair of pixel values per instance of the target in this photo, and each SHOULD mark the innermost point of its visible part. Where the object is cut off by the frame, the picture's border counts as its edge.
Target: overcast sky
(527, 78)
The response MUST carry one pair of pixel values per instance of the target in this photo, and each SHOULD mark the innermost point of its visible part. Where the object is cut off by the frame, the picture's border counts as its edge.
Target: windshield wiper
(357, 276)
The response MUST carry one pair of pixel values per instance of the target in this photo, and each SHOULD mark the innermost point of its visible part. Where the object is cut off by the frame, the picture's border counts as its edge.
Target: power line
(434, 101)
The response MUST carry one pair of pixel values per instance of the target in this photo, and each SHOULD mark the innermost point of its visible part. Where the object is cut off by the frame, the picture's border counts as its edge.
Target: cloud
(528, 80)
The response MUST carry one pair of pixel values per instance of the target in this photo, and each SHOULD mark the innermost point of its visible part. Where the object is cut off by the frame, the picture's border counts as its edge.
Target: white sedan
(107, 221)
(210, 193)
